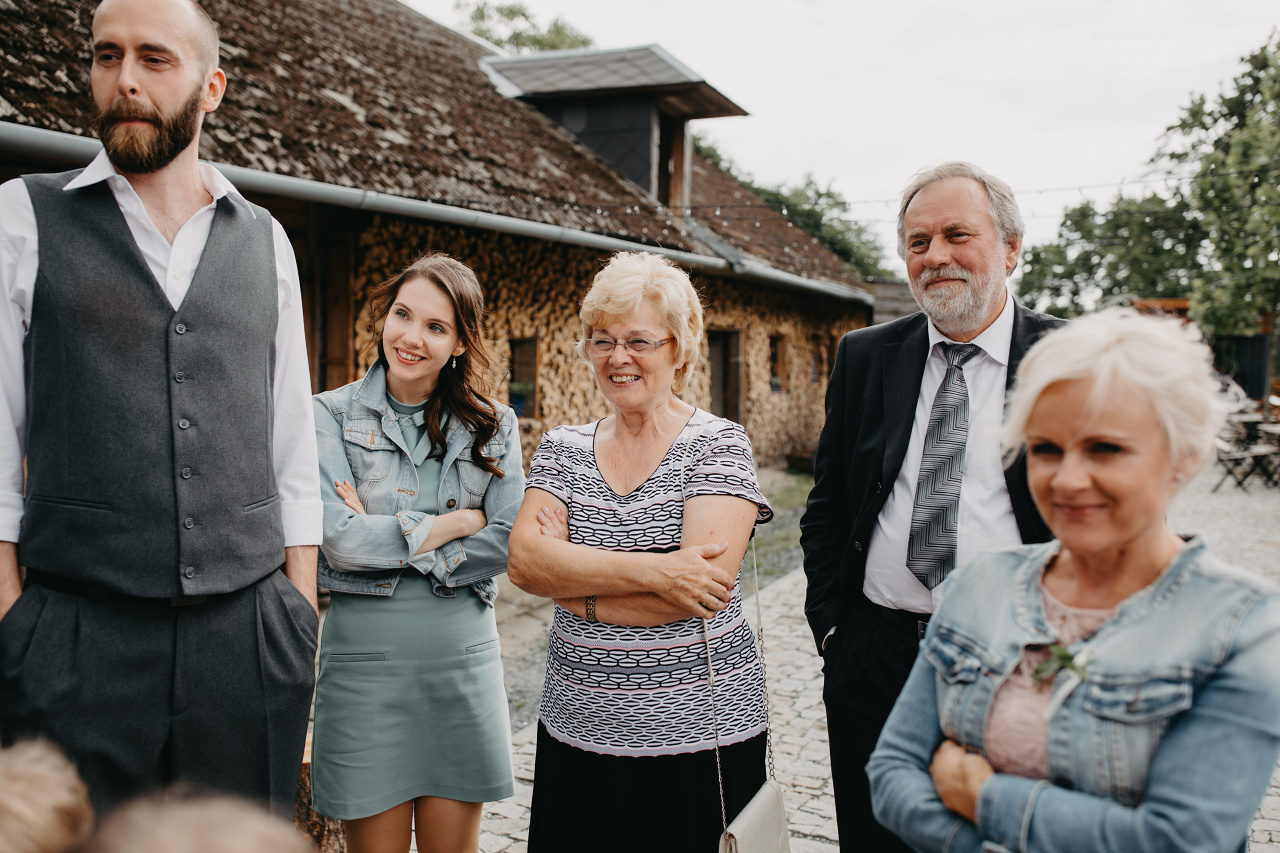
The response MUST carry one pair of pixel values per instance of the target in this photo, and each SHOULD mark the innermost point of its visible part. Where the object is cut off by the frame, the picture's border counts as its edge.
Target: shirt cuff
(441, 562)
(1004, 808)
(415, 527)
(303, 522)
(425, 563)
(10, 517)
(454, 556)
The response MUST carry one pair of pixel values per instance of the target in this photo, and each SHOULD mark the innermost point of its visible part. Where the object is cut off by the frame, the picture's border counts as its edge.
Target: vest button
(181, 328)
(183, 423)
(857, 545)
(451, 503)
(189, 523)
(189, 571)
(179, 376)
(186, 473)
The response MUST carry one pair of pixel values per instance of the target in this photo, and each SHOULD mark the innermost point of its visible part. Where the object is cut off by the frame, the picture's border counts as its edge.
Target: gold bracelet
(591, 609)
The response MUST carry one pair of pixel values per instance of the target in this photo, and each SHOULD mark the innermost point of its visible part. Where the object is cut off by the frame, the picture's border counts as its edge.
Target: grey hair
(1000, 201)
(1162, 358)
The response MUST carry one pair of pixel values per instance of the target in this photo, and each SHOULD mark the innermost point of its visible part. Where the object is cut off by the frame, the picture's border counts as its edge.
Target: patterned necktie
(931, 550)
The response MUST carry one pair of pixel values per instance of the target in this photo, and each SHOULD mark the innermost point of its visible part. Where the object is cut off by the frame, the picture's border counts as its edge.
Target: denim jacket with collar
(1167, 744)
(359, 439)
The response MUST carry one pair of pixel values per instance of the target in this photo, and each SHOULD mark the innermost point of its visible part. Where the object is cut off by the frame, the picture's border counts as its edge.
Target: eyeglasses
(635, 346)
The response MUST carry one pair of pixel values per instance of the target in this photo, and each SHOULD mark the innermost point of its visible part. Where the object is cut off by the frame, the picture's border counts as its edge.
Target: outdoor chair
(1241, 463)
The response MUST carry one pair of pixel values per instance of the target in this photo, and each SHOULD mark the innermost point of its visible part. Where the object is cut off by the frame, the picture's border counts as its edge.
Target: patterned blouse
(622, 690)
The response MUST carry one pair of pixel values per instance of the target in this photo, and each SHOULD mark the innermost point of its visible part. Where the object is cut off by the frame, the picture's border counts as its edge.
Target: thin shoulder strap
(711, 672)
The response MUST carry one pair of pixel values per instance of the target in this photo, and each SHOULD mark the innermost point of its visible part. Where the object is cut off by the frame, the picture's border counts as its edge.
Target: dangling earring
(455, 362)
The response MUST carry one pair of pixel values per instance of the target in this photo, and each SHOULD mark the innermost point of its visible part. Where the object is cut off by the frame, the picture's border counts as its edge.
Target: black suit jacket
(871, 403)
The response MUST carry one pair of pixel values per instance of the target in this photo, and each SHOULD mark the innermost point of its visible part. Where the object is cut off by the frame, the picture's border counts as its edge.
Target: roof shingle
(371, 94)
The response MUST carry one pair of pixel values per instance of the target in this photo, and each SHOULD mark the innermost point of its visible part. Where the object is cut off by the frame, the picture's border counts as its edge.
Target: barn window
(522, 380)
(778, 367)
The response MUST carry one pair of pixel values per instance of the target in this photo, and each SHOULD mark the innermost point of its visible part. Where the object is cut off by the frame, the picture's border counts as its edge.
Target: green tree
(822, 212)
(1062, 278)
(1139, 248)
(512, 26)
(1231, 147)
(819, 211)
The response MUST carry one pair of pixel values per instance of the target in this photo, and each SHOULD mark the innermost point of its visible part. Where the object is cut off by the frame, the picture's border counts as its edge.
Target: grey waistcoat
(149, 430)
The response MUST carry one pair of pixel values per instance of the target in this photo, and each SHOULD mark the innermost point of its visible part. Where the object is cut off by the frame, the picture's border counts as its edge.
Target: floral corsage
(1060, 658)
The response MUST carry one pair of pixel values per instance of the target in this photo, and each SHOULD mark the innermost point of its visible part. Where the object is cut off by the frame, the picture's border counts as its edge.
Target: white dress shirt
(294, 439)
(986, 516)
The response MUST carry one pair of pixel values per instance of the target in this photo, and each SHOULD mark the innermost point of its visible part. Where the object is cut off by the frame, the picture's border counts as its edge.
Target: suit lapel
(903, 366)
(1027, 329)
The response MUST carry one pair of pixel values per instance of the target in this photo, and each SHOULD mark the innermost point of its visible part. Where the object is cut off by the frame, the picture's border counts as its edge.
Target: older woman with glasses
(636, 525)
(1113, 690)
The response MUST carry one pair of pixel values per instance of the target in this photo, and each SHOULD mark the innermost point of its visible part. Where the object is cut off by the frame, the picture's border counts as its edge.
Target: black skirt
(586, 802)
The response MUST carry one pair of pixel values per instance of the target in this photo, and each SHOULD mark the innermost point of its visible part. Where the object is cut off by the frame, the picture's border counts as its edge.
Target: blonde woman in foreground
(1116, 689)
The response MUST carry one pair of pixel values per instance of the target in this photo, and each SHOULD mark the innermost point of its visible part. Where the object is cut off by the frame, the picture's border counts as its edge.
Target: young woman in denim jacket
(422, 480)
(1115, 690)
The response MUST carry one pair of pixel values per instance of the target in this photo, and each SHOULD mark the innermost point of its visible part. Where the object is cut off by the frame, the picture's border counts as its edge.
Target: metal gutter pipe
(67, 149)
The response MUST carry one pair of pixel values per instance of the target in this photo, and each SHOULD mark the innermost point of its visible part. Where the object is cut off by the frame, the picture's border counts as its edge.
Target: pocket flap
(954, 662)
(481, 647)
(1138, 700)
(495, 448)
(367, 433)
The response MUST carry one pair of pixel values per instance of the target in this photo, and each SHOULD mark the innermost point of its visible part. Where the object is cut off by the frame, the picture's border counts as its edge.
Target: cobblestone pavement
(1243, 527)
(799, 726)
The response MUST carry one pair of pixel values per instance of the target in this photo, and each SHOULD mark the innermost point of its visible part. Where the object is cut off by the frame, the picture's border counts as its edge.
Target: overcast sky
(1052, 97)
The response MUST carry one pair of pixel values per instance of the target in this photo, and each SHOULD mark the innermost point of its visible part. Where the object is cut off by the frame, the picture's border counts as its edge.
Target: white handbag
(761, 826)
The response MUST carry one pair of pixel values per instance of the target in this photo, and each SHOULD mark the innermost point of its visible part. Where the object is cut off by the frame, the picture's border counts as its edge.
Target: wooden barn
(373, 134)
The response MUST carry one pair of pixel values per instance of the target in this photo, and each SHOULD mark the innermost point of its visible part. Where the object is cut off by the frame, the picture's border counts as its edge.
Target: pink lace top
(1017, 732)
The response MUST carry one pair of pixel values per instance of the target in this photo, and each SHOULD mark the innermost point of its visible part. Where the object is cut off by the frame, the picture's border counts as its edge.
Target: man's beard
(142, 150)
(959, 310)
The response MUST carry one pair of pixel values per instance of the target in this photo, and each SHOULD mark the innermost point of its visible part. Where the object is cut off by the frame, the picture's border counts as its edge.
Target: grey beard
(956, 312)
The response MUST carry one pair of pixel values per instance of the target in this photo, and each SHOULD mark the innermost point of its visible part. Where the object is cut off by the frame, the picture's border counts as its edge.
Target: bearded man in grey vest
(153, 373)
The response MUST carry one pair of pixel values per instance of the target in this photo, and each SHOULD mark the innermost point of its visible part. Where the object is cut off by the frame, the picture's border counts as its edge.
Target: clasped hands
(686, 578)
(958, 776)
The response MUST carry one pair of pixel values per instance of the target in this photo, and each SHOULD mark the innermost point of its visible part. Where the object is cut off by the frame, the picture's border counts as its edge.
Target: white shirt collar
(214, 181)
(995, 339)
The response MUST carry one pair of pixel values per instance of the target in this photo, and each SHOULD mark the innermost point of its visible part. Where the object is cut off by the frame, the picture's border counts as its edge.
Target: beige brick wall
(533, 289)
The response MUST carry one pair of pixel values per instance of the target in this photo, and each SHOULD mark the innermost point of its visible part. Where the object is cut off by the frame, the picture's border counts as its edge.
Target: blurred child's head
(44, 805)
(180, 822)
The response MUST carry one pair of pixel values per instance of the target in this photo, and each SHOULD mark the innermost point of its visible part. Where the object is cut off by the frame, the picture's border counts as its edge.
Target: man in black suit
(909, 480)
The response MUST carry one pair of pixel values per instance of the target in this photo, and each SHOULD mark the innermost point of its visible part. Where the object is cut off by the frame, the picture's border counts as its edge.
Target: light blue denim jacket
(359, 439)
(1167, 744)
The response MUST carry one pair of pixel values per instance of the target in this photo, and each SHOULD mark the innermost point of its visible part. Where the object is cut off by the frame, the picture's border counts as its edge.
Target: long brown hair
(462, 391)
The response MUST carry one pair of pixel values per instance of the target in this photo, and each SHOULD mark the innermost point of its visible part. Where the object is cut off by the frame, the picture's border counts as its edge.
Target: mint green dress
(409, 699)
